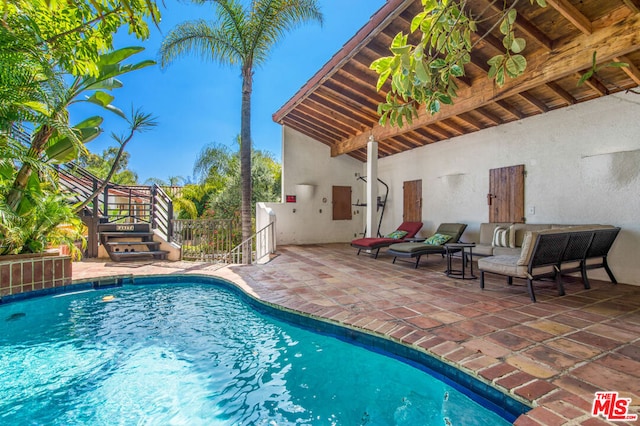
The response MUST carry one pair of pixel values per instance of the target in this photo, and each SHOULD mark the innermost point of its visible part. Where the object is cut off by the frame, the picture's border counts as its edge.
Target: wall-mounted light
(305, 190)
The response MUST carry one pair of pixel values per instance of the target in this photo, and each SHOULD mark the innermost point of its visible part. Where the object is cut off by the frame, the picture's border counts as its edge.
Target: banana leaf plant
(33, 212)
(55, 140)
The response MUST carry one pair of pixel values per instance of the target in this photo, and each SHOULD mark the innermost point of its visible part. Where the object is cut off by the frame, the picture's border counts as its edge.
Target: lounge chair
(404, 231)
(433, 245)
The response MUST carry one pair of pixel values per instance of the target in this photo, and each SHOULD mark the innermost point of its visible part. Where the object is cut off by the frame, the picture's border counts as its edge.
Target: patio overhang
(338, 105)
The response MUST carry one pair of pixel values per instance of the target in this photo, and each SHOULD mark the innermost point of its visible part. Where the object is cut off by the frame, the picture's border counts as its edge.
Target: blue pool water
(194, 354)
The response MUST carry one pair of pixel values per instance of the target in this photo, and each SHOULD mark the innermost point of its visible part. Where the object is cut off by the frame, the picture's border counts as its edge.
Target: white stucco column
(372, 188)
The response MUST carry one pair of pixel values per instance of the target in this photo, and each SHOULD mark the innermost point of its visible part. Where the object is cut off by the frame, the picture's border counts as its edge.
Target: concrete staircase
(129, 241)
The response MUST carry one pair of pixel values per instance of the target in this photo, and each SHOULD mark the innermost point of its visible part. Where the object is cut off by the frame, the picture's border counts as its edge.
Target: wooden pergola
(338, 105)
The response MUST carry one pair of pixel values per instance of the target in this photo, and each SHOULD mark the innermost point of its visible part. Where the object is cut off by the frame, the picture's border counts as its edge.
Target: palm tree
(241, 36)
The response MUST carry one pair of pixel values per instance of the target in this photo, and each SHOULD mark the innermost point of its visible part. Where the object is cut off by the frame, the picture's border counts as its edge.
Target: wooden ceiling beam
(542, 107)
(483, 33)
(336, 114)
(417, 139)
(594, 84)
(490, 116)
(510, 109)
(357, 99)
(325, 98)
(633, 5)
(470, 120)
(330, 92)
(423, 134)
(454, 126)
(542, 68)
(393, 142)
(631, 70)
(307, 129)
(359, 90)
(573, 15)
(561, 92)
(435, 128)
(330, 133)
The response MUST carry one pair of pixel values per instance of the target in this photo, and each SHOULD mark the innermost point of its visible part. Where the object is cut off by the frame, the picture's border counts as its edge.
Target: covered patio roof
(338, 105)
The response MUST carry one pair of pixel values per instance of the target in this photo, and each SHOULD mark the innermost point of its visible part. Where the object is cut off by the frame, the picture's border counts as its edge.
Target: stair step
(132, 243)
(120, 234)
(124, 227)
(119, 254)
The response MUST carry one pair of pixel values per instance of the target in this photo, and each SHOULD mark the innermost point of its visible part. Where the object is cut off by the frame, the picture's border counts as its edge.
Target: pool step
(130, 242)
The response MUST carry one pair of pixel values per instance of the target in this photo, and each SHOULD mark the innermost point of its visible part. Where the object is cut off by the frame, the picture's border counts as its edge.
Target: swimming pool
(183, 351)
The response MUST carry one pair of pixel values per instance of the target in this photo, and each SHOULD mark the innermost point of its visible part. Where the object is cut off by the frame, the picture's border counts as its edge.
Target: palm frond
(202, 39)
(273, 19)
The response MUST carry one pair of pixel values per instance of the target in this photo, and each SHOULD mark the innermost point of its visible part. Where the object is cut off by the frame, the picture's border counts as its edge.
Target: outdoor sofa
(432, 245)
(404, 231)
(553, 252)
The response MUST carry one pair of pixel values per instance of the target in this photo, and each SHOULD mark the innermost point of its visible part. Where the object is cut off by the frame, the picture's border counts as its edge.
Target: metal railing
(120, 203)
(257, 248)
(205, 240)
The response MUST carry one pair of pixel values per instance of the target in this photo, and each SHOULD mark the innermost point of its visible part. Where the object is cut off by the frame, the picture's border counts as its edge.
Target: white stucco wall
(582, 164)
(309, 172)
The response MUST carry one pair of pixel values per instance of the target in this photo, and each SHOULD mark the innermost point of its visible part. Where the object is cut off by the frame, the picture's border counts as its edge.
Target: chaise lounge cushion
(409, 228)
(454, 230)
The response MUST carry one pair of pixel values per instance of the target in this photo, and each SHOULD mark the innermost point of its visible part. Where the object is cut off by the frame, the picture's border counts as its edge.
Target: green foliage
(510, 64)
(45, 219)
(241, 37)
(100, 166)
(54, 53)
(425, 74)
(595, 68)
(218, 169)
(74, 34)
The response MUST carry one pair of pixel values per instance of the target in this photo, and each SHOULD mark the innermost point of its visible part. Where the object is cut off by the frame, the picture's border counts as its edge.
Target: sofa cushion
(499, 251)
(520, 229)
(486, 231)
(528, 242)
(504, 265)
(508, 265)
(483, 250)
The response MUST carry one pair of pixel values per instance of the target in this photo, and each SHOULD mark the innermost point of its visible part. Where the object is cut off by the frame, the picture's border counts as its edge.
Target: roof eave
(376, 23)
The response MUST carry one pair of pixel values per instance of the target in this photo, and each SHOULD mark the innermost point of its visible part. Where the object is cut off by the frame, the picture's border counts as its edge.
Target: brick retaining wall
(28, 272)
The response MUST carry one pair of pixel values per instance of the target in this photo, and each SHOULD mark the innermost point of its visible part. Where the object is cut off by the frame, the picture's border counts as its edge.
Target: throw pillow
(437, 239)
(501, 236)
(396, 235)
(512, 236)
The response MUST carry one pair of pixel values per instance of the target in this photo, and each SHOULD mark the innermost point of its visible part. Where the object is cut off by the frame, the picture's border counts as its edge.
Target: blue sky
(197, 102)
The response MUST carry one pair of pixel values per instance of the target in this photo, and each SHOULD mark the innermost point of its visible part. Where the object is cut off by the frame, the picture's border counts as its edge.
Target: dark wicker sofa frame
(556, 253)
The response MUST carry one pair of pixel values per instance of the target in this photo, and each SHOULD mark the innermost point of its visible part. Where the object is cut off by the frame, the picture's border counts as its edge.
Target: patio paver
(553, 354)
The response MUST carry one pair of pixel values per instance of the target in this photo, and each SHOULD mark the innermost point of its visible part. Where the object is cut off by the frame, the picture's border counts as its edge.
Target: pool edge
(452, 374)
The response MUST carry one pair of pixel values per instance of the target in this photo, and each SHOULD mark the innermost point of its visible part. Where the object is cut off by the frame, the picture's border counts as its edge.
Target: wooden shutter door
(341, 203)
(412, 201)
(506, 194)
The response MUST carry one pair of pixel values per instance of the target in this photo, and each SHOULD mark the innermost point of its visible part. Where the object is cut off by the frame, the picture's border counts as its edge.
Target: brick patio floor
(553, 354)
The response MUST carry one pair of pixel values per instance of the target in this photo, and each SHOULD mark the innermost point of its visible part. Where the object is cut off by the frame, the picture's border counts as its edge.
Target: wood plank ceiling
(338, 105)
